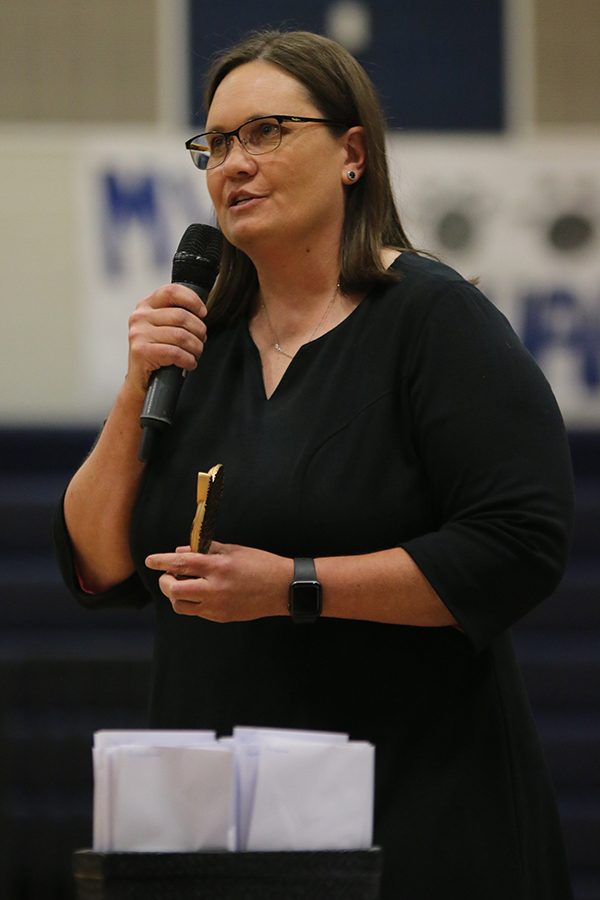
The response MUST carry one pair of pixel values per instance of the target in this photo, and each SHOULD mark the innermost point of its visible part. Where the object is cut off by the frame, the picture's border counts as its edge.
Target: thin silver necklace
(276, 344)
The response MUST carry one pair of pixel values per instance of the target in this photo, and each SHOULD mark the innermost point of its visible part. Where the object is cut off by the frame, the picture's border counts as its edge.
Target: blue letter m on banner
(130, 202)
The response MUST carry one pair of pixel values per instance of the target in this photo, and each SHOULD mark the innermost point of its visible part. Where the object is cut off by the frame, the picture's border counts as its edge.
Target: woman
(376, 414)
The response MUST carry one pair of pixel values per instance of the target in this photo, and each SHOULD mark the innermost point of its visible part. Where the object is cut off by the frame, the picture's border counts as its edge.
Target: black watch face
(306, 598)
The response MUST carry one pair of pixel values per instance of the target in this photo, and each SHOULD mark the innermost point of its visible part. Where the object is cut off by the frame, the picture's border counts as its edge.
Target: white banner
(524, 217)
(137, 197)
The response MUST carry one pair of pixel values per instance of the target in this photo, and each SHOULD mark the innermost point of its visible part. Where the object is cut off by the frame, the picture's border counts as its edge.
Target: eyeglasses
(260, 135)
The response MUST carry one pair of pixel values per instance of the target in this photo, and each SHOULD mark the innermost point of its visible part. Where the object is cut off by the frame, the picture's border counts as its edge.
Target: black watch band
(305, 596)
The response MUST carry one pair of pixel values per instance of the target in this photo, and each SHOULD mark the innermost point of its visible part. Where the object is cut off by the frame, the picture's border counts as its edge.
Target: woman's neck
(296, 272)
(294, 296)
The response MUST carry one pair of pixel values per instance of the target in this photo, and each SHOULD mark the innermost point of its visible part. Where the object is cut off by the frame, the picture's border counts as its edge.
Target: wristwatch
(306, 596)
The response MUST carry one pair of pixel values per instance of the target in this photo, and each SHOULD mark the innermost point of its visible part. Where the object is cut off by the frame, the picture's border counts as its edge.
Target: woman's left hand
(229, 584)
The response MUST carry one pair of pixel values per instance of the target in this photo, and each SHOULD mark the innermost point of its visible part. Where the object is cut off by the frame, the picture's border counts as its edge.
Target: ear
(355, 157)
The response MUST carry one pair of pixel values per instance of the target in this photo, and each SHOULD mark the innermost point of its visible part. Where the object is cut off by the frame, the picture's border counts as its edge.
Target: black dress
(421, 422)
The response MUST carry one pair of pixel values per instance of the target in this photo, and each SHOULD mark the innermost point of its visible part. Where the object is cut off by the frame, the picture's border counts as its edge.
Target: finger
(173, 587)
(160, 561)
(190, 564)
(145, 352)
(186, 608)
(166, 562)
(175, 326)
(177, 295)
(153, 356)
(181, 605)
(172, 339)
(172, 317)
(177, 590)
(217, 547)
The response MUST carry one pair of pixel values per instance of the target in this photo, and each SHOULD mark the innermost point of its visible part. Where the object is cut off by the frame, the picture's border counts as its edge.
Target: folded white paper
(247, 743)
(311, 796)
(160, 737)
(262, 789)
(172, 799)
(162, 797)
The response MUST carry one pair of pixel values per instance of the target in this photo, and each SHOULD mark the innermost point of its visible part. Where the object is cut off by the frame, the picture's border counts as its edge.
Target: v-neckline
(260, 376)
(322, 337)
(300, 352)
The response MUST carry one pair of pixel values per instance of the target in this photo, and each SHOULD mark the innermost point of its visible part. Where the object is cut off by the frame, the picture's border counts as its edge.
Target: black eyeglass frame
(235, 132)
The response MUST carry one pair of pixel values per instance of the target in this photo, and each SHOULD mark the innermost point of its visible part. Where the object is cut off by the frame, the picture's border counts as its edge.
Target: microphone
(195, 265)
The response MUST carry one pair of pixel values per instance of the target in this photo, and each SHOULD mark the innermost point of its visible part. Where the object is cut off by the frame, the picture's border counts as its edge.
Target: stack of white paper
(162, 791)
(303, 790)
(262, 789)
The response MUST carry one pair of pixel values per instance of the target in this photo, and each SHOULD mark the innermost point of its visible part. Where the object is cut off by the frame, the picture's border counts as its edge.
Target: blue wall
(438, 65)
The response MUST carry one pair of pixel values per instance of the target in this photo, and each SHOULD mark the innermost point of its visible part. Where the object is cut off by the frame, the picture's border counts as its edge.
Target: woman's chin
(248, 235)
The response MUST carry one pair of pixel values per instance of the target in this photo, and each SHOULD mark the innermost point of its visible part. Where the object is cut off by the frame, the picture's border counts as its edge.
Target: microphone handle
(163, 391)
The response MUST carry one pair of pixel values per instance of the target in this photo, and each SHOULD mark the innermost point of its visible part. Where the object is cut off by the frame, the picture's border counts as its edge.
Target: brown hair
(343, 92)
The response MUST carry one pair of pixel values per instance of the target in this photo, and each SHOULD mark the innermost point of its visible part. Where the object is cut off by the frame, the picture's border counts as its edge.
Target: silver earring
(351, 175)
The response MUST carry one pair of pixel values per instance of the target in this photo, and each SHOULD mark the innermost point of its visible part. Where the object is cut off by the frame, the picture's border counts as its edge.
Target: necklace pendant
(281, 350)
(277, 346)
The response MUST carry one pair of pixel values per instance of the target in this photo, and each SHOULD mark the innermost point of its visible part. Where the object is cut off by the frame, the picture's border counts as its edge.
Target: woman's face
(292, 195)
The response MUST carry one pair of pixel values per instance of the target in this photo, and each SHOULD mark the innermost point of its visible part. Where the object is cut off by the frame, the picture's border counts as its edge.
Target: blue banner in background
(523, 218)
(560, 320)
(437, 65)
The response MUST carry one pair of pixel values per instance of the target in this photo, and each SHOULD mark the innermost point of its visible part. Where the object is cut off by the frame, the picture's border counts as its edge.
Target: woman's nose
(238, 159)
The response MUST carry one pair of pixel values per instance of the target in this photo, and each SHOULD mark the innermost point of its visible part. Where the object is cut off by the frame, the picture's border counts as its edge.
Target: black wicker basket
(321, 875)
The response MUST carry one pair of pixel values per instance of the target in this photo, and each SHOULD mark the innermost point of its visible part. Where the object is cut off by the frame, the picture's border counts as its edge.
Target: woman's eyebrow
(219, 127)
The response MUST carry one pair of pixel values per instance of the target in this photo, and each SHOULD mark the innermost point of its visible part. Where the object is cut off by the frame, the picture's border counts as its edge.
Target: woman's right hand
(165, 329)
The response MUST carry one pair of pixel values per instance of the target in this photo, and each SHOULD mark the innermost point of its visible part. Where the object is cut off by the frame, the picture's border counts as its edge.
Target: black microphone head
(198, 255)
